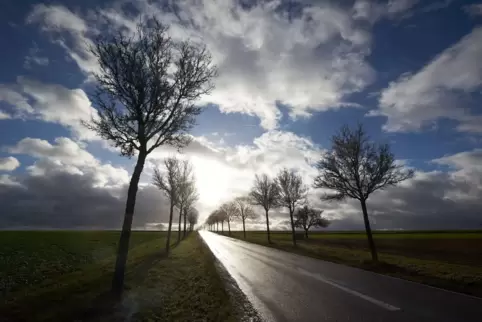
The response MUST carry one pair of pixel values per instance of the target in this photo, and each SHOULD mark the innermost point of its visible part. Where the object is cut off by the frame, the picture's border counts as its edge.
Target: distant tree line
(285, 191)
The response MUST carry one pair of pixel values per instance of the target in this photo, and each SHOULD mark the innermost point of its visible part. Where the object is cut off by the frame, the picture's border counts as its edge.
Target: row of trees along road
(355, 167)
(178, 185)
(237, 209)
(146, 92)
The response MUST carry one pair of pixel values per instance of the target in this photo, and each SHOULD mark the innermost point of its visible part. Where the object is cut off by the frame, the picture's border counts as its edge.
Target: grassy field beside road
(451, 260)
(65, 276)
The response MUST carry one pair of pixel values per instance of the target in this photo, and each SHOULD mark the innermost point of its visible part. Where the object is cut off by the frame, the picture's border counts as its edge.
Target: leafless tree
(168, 183)
(355, 168)
(210, 222)
(145, 96)
(265, 193)
(244, 211)
(213, 220)
(307, 217)
(187, 192)
(192, 217)
(292, 193)
(221, 216)
(192, 197)
(229, 209)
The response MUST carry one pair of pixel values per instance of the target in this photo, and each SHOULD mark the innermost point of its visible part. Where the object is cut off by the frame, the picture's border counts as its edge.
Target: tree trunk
(217, 227)
(244, 230)
(371, 242)
(222, 226)
(169, 228)
(306, 233)
(267, 227)
(185, 221)
(293, 233)
(229, 228)
(179, 227)
(123, 248)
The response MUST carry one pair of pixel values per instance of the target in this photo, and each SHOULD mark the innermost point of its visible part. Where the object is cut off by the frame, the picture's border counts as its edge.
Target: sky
(291, 73)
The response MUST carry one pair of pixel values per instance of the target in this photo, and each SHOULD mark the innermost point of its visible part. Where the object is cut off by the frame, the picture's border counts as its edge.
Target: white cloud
(311, 63)
(60, 22)
(65, 150)
(50, 103)
(373, 11)
(34, 57)
(11, 96)
(7, 180)
(436, 91)
(9, 164)
(468, 169)
(70, 157)
(4, 116)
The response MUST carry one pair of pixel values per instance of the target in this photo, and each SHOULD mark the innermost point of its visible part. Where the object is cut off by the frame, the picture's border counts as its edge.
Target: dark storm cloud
(432, 201)
(64, 200)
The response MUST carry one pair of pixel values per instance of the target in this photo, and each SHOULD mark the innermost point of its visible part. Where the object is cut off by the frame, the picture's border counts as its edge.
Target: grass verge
(457, 272)
(184, 286)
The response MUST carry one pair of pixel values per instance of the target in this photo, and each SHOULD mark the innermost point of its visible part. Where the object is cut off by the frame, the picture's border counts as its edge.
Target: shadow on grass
(108, 307)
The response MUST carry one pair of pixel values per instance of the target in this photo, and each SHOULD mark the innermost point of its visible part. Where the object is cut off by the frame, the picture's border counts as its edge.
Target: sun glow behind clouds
(215, 180)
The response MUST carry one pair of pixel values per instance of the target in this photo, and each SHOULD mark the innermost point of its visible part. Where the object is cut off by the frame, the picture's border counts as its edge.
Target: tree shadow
(108, 306)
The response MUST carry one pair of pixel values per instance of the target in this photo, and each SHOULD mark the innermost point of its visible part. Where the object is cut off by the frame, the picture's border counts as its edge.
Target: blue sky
(409, 70)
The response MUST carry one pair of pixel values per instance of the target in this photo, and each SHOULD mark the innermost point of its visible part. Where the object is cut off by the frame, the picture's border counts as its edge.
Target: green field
(66, 275)
(451, 260)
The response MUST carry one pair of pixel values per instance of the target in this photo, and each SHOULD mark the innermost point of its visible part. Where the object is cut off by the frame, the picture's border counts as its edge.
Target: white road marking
(352, 292)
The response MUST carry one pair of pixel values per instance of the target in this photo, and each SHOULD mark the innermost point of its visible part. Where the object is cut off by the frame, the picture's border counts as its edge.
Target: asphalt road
(288, 287)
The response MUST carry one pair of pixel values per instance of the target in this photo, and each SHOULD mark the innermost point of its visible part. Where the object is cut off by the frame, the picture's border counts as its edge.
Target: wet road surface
(288, 287)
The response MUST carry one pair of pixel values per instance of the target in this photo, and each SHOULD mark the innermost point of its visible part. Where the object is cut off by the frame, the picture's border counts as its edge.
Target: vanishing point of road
(287, 287)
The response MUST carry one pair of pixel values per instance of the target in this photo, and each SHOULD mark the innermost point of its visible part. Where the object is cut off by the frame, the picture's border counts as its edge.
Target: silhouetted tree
(265, 193)
(145, 96)
(213, 220)
(306, 217)
(192, 217)
(244, 211)
(168, 182)
(355, 168)
(209, 222)
(292, 193)
(229, 209)
(221, 216)
(192, 197)
(187, 190)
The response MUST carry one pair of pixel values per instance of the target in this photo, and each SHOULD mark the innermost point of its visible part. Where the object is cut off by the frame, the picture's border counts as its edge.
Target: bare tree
(292, 193)
(192, 217)
(244, 211)
(187, 190)
(355, 168)
(307, 217)
(229, 209)
(265, 193)
(192, 197)
(210, 221)
(168, 183)
(213, 220)
(145, 96)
